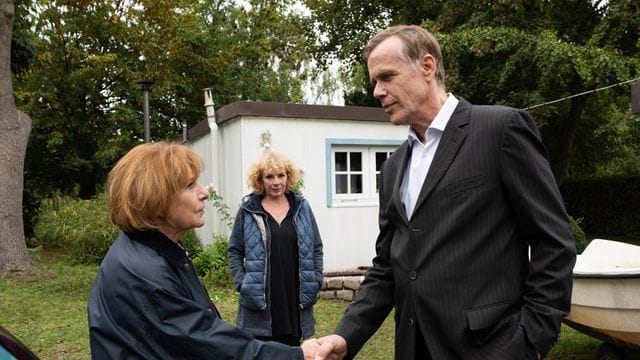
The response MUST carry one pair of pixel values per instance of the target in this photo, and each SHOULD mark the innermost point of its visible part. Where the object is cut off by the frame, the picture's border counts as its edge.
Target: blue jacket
(249, 246)
(148, 303)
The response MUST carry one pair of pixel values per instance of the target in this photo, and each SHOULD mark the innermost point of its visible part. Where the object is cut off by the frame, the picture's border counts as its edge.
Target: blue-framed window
(353, 177)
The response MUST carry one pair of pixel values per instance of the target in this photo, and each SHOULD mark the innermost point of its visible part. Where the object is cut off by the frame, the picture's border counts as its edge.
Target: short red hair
(142, 184)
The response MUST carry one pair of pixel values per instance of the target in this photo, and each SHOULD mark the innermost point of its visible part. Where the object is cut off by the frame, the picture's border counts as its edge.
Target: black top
(285, 283)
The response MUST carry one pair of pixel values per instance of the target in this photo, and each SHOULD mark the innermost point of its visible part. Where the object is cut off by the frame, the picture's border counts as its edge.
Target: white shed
(339, 148)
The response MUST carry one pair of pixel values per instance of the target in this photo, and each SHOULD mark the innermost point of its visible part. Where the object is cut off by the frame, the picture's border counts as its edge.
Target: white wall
(348, 233)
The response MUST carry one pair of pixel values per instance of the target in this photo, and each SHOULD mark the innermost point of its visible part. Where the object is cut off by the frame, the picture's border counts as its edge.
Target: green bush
(49, 226)
(578, 235)
(83, 230)
(212, 263)
(191, 243)
(81, 227)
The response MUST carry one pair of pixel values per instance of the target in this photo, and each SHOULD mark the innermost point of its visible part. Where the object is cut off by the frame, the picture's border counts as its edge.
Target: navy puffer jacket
(249, 246)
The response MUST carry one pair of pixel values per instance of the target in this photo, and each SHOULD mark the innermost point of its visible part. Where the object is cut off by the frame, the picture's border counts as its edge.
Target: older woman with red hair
(147, 301)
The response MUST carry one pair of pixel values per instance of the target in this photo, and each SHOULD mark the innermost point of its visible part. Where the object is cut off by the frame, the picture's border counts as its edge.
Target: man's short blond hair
(417, 43)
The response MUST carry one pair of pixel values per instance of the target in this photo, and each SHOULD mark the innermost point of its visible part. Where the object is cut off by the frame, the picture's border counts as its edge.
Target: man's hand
(310, 349)
(332, 347)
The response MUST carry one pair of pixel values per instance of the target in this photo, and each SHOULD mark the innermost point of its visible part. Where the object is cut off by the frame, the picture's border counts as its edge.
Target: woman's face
(274, 182)
(186, 210)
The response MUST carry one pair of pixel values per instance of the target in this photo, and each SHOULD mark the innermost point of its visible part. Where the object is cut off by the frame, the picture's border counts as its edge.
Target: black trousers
(283, 339)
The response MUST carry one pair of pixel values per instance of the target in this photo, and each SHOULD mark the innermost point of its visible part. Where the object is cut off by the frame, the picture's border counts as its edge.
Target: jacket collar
(252, 202)
(173, 252)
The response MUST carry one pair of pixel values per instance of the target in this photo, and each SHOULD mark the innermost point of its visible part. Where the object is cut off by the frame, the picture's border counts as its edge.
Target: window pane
(341, 161)
(356, 161)
(356, 184)
(377, 183)
(380, 158)
(341, 184)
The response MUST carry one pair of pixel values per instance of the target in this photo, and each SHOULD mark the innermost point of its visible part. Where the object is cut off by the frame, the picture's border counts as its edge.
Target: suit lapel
(452, 138)
(404, 154)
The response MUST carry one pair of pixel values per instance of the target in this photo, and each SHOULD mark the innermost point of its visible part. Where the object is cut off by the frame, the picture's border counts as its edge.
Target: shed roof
(284, 110)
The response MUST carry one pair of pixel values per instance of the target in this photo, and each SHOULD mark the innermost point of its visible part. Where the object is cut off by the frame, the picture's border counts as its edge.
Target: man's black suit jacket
(459, 269)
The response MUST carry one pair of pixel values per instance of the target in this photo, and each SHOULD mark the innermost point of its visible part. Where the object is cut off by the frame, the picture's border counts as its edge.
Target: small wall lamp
(265, 138)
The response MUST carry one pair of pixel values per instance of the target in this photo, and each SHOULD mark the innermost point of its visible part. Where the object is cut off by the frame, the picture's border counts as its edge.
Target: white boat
(605, 302)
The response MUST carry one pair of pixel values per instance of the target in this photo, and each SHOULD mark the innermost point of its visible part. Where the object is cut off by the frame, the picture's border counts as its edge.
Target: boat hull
(607, 308)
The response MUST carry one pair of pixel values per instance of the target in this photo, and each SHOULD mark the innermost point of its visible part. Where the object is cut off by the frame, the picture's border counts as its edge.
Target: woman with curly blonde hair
(275, 254)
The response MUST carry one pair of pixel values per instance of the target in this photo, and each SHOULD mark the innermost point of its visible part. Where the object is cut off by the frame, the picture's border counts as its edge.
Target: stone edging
(340, 287)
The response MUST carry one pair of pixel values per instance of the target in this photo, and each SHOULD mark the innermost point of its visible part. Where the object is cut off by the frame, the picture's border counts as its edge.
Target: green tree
(508, 66)
(518, 53)
(619, 27)
(347, 25)
(22, 42)
(14, 126)
(83, 93)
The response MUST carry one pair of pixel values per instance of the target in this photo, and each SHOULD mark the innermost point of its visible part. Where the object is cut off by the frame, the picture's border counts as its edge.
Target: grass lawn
(46, 310)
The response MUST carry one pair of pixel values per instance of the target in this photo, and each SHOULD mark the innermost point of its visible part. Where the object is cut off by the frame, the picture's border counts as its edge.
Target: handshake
(331, 347)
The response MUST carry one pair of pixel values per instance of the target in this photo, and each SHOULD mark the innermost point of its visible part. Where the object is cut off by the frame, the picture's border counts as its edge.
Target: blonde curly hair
(270, 161)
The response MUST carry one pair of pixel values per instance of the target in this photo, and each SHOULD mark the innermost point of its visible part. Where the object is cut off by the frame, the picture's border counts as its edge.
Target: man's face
(401, 88)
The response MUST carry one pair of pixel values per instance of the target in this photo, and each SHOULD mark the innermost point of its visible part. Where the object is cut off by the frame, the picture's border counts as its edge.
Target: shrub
(578, 235)
(212, 264)
(83, 230)
(81, 227)
(49, 224)
(191, 243)
(223, 210)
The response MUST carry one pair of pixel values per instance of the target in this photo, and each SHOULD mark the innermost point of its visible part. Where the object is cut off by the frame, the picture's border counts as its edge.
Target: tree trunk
(14, 131)
(565, 150)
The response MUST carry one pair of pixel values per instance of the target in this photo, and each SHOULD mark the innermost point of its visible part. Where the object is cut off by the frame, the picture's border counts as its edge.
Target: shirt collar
(441, 120)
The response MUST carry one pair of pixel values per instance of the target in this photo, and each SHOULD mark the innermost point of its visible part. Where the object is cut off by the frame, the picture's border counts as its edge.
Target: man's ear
(428, 66)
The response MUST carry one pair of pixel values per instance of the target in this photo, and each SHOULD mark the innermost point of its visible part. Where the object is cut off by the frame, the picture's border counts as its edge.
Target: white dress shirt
(422, 155)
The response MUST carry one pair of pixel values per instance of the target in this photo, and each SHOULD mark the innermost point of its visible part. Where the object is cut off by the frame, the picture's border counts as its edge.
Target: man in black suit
(462, 203)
